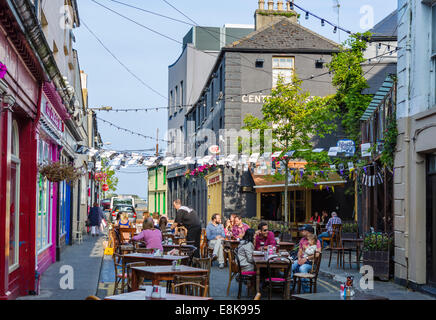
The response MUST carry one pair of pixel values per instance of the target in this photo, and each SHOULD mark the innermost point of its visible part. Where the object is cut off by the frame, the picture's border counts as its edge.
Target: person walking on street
(95, 217)
(188, 218)
(215, 234)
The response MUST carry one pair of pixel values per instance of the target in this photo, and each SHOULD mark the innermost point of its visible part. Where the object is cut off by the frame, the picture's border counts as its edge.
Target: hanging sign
(347, 146)
(365, 149)
(105, 187)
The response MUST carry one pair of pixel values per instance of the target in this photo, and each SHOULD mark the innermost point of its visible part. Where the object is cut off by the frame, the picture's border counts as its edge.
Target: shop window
(14, 198)
(44, 205)
(297, 200)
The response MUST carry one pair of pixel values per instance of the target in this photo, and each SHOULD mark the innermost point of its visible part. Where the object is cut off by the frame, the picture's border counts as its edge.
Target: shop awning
(378, 98)
(265, 183)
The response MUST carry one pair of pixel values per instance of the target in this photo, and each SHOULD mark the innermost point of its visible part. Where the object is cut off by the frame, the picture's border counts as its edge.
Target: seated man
(333, 220)
(264, 236)
(238, 230)
(215, 234)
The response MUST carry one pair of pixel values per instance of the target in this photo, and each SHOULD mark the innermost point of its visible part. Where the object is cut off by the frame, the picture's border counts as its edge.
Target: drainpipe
(407, 167)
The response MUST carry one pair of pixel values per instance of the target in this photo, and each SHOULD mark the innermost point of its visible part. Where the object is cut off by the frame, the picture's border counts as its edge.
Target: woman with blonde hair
(124, 220)
(150, 235)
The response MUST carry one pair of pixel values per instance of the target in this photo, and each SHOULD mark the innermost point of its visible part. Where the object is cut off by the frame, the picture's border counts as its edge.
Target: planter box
(349, 235)
(379, 261)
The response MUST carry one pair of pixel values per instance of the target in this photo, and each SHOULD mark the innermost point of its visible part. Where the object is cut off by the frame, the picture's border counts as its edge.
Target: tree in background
(295, 118)
(110, 179)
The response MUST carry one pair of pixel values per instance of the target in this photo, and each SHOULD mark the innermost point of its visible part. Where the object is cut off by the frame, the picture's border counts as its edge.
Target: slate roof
(283, 35)
(387, 28)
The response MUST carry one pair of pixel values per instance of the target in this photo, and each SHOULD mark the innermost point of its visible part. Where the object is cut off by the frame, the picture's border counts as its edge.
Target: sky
(148, 56)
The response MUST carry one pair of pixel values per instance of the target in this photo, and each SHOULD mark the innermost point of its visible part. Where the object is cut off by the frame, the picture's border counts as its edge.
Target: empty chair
(280, 282)
(190, 289)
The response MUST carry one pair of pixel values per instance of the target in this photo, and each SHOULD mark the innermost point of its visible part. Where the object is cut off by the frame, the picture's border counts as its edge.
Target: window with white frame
(282, 67)
(14, 200)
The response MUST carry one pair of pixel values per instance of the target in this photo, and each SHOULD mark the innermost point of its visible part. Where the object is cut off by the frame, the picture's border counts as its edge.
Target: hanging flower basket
(201, 171)
(3, 70)
(57, 172)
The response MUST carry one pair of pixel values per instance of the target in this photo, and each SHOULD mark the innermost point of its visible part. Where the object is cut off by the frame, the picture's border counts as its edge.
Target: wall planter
(376, 253)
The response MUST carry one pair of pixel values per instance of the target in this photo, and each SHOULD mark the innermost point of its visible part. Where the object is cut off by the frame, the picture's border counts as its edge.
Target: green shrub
(377, 241)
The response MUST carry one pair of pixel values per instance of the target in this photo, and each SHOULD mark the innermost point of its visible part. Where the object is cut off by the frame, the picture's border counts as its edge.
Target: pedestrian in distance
(188, 218)
(95, 216)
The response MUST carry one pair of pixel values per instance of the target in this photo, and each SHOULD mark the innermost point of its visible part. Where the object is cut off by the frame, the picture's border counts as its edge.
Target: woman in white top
(245, 251)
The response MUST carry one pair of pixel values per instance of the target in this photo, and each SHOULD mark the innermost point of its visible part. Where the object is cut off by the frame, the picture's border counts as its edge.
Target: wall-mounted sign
(252, 98)
(52, 115)
(214, 180)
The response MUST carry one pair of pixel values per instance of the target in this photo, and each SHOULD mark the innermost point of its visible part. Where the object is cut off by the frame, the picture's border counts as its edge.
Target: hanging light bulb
(379, 45)
(335, 30)
(322, 22)
(307, 15)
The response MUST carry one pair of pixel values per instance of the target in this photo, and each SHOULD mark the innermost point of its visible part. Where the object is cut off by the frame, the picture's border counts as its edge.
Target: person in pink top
(263, 235)
(150, 235)
(238, 230)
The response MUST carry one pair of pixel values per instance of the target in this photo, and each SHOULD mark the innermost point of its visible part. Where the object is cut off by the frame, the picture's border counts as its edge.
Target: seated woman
(150, 235)
(124, 220)
(316, 218)
(245, 251)
(163, 222)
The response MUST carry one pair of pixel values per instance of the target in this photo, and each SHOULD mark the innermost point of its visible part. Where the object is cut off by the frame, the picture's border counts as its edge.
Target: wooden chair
(190, 289)
(126, 234)
(244, 277)
(233, 267)
(120, 274)
(92, 298)
(279, 282)
(202, 280)
(206, 251)
(312, 276)
(206, 264)
(257, 297)
(129, 267)
(338, 247)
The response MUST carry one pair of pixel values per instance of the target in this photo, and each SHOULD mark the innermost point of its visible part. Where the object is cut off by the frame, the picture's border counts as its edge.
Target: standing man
(333, 220)
(188, 218)
(215, 234)
(264, 236)
(239, 228)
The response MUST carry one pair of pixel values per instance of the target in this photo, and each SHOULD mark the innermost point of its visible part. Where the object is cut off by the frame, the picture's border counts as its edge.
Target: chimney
(264, 17)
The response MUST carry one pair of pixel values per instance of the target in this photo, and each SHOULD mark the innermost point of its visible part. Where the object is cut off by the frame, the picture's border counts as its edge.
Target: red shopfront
(20, 92)
(49, 134)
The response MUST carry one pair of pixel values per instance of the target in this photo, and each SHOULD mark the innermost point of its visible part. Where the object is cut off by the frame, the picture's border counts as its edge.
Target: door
(214, 196)
(431, 220)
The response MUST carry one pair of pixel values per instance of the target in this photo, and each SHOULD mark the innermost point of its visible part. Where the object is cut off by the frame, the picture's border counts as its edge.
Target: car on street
(124, 208)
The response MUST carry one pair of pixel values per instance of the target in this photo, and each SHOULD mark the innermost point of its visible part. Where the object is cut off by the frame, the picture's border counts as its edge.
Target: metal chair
(280, 282)
(246, 277)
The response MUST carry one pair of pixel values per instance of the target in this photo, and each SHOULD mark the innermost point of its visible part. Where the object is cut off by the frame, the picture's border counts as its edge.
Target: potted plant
(350, 230)
(57, 172)
(376, 253)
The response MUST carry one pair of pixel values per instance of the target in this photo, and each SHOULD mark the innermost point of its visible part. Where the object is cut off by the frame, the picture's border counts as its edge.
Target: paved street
(94, 275)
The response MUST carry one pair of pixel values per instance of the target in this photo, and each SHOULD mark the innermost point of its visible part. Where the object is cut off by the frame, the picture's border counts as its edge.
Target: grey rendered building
(244, 73)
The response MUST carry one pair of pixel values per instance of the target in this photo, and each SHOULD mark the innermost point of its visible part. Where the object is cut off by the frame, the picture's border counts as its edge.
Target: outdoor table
(336, 296)
(358, 242)
(140, 295)
(162, 273)
(261, 262)
(165, 260)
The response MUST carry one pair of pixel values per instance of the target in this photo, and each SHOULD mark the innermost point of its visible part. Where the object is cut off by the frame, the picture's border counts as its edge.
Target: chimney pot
(279, 5)
(261, 4)
(270, 5)
(288, 5)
